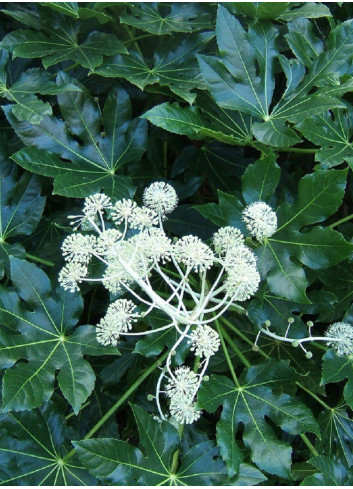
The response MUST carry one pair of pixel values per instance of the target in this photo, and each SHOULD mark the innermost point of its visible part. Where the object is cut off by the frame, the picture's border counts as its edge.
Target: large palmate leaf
(174, 65)
(81, 157)
(243, 77)
(333, 133)
(21, 90)
(161, 19)
(40, 340)
(279, 10)
(319, 195)
(329, 473)
(118, 462)
(58, 38)
(336, 436)
(32, 448)
(335, 369)
(205, 120)
(21, 207)
(73, 10)
(249, 404)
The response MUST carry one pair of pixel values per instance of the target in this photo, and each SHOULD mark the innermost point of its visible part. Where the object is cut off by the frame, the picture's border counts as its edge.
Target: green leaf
(335, 369)
(174, 65)
(330, 473)
(260, 180)
(21, 207)
(179, 17)
(243, 77)
(42, 334)
(303, 42)
(333, 133)
(310, 10)
(336, 435)
(248, 476)
(81, 169)
(259, 10)
(58, 45)
(32, 449)
(250, 403)
(118, 462)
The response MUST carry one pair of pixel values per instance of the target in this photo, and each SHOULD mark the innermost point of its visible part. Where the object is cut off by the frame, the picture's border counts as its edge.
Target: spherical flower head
(71, 275)
(205, 341)
(121, 314)
(123, 210)
(242, 282)
(78, 248)
(183, 412)
(107, 240)
(226, 238)
(161, 197)
(239, 256)
(343, 334)
(96, 203)
(260, 220)
(107, 333)
(183, 385)
(143, 218)
(156, 245)
(193, 253)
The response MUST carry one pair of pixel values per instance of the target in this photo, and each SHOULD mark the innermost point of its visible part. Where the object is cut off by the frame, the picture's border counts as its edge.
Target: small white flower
(239, 256)
(183, 385)
(161, 197)
(106, 240)
(107, 333)
(205, 341)
(183, 411)
(193, 253)
(260, 220)
(96, 203)
(343, 332)
(78, 247)
(143, 218)
(156, 245)
(71, 275)
(242, 282)
(121, 314)
(226, 238)
(123, 210)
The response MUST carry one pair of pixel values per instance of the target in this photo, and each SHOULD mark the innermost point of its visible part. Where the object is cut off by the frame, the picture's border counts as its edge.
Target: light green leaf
(83, 169)
(41, 333)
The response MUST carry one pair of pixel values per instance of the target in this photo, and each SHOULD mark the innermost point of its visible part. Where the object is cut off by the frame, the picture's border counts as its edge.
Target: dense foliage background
(231, 104)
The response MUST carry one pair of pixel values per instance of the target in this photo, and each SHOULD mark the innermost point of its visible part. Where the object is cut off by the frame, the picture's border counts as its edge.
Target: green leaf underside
(248, 405)
(81, 169)
(32, 451)
(46, 341)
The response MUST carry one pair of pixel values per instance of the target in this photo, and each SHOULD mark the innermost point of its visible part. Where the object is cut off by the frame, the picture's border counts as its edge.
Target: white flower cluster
(340, 337)
(203, 280)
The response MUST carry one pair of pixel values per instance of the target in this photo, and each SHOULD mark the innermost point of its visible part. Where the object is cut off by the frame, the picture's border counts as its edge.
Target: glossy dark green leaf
(329, 473)
(303, 42)
(259, 10)
(260, 180)
(250, 403)
(58, 45)
(174, 65)
(335, 369)
(32, 448)
(20, 211)
(159, 19)
(42, 334)
(85, 167)
(73, 10)
(310, 10)
(336, 436)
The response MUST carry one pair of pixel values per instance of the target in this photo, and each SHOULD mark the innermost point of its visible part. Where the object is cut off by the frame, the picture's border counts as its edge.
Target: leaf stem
(131, 38)
(40, 260)
(309, 444)
(226, 354)
(341, 221)
(119, 402)
(137, 38)
(235, 348)
(314, 396)
(298, 150)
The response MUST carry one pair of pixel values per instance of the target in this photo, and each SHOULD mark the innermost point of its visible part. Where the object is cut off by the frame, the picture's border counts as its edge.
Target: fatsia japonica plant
(176, 243)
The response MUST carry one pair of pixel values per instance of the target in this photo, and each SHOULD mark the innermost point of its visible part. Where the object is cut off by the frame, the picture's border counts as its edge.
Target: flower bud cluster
(203, 280)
